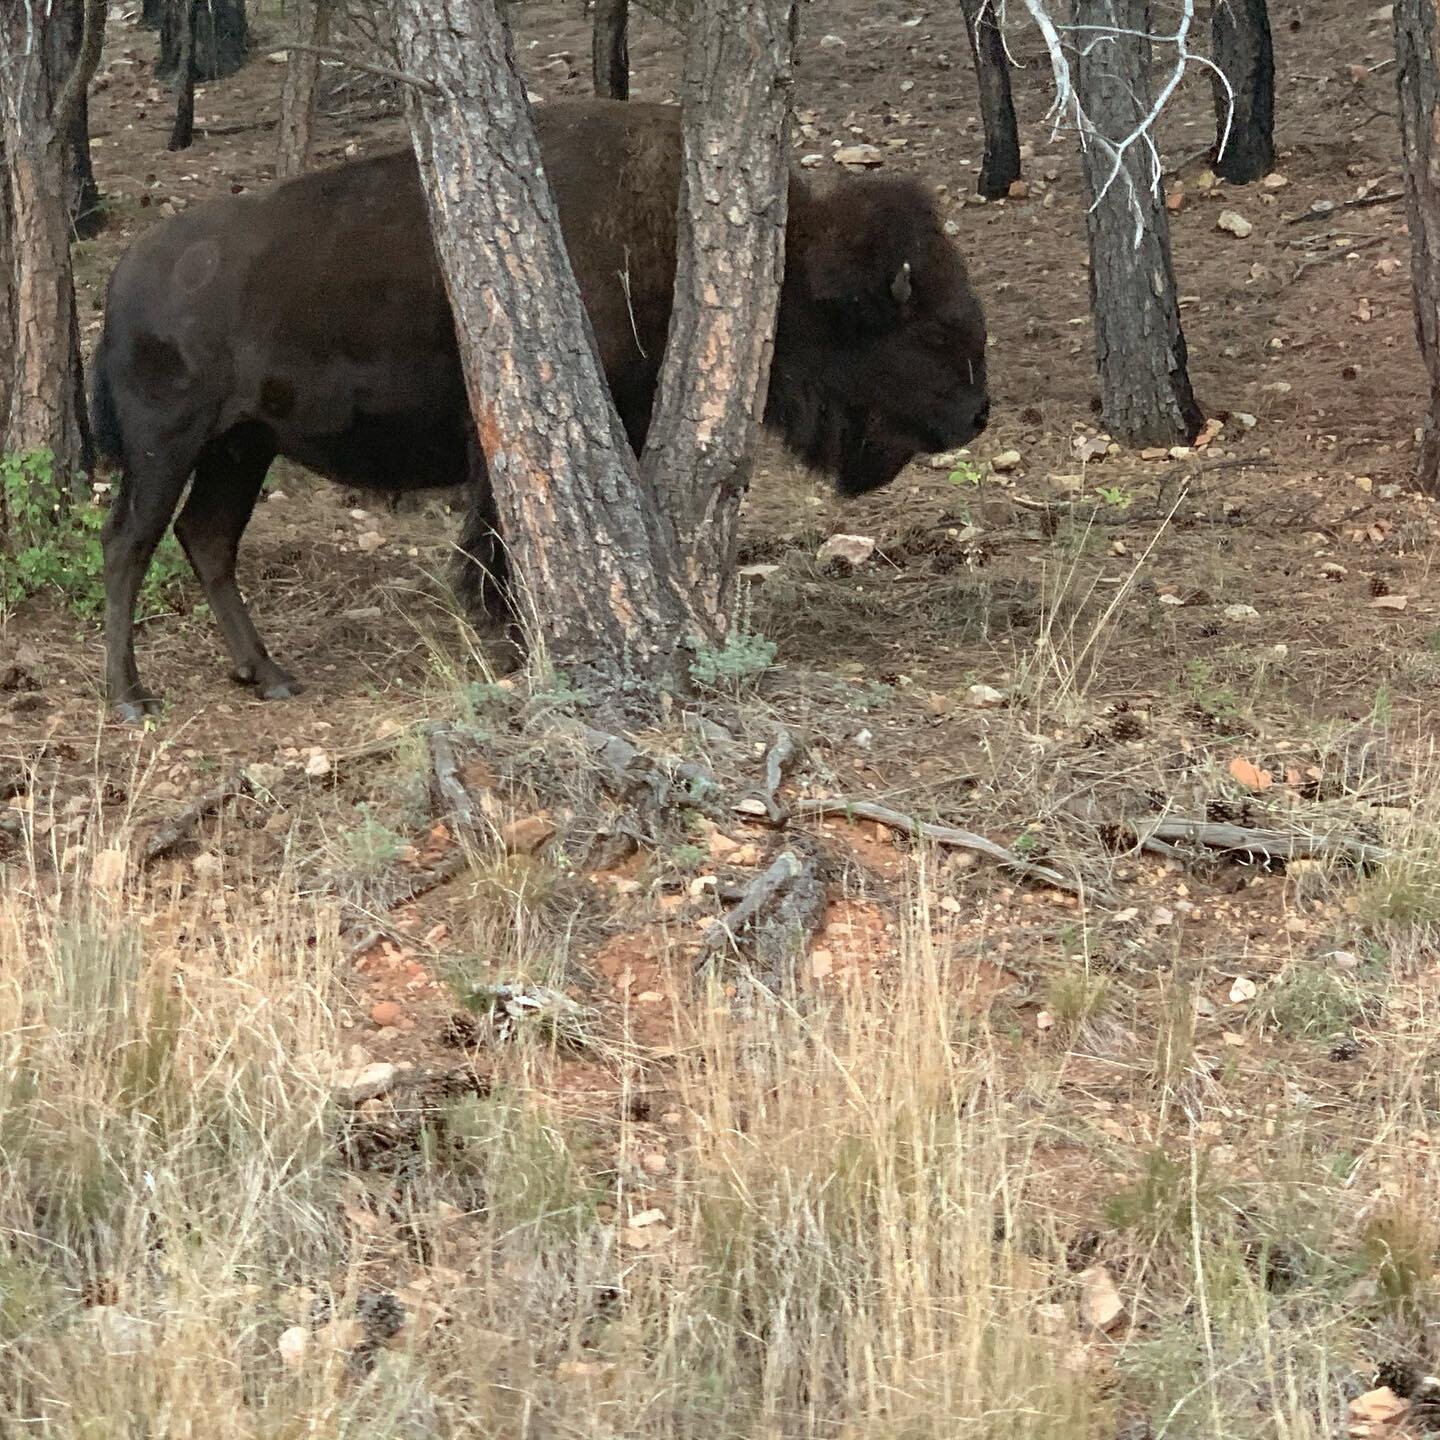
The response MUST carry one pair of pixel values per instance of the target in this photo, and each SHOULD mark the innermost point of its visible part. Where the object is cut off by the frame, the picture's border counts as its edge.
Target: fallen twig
(630, 774)
(169, 833)
(767, 801)
(1339, 252)
(1364, 202)
(775, 917)
(1271, 844)
(947, 835)
(455, 802)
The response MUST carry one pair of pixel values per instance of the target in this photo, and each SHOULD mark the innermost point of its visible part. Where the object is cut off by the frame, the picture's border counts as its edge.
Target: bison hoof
(269, 681)
(286, 688)
(136, 711)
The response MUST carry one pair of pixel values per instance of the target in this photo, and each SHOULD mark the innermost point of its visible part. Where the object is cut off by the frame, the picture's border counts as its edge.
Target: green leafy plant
(53, 543)
(1113, 495)
(965, 473)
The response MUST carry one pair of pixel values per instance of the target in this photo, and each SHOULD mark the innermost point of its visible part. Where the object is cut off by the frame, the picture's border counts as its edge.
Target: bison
(311, 321)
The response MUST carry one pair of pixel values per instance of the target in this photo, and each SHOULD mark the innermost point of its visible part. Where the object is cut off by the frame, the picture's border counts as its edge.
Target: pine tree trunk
(610, 49)
(731, 244)
(596, 558)
(302, 81)
(1001, 165)
(45, 409)
(1242, 49)
(1417, 52)
(222, 39)
(1140, 347)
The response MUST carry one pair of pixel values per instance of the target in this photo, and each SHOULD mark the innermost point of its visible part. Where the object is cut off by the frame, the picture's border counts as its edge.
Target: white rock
(831, 42)
(984, 697)
(1101, 1307)
(1232, 222)
(1237, 614)
(1243, 990)
(369, 542)
(317, 765)
(1246, 422)
(366, 1082)
(857, 549)
(811, 161)
(1005, 461)
(756, 572)
(858, 155)
(293, 1344)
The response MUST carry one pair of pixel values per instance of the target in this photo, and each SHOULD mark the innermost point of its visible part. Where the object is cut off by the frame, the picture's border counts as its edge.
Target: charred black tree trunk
(302, 82)
(596, 559)
(1139, 345)
(610, 49)
(1417, 52)
(222, 38)
(43, 387)
(83, 194)
(1240, 31)
(152, 13)
(1001, 165)
(182, 133)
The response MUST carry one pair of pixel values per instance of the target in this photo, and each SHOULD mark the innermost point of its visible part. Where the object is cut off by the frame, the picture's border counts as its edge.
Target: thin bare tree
(302, 82)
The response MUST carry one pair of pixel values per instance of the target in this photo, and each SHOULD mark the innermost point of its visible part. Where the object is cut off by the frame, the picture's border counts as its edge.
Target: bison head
(880, 343)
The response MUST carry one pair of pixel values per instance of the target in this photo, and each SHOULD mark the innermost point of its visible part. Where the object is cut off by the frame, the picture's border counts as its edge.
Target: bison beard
(311, 321)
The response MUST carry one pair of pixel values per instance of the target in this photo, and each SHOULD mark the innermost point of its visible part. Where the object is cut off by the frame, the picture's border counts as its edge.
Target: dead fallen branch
(1312, 261)
(402, 890)
(774, 919)
(1267, 844)
(1325, 208)
(948, 835)
(170, 833)
(454, 799)
(766, 803)
(630, 774)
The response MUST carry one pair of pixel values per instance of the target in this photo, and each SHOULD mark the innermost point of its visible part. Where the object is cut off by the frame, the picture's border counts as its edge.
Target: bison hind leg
(482, 578)
(228, 478)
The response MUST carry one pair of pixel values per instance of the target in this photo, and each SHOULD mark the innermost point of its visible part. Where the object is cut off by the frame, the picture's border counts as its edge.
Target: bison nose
(982, 416)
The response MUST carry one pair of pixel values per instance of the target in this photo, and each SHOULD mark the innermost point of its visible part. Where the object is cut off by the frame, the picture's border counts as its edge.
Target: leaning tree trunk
(222, 38)
(1417, 52)
(1245, 98)
(610, 49)
(595, 555)
(734, 191)
(1139, 345)
(45, 409)
(1001, 165)
(302, 81)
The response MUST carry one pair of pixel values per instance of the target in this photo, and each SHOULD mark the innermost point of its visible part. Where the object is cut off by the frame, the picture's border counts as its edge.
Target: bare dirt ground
(1000, 1161)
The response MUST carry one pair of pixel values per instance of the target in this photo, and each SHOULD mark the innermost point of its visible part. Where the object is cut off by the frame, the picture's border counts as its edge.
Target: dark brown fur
(311, 321)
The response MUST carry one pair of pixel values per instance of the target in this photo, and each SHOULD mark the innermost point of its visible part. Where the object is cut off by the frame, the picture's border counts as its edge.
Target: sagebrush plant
(741, 659)
(51, 543)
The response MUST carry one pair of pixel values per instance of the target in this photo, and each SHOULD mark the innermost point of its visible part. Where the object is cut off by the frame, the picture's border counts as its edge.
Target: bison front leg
(483, 579)
(227, 483)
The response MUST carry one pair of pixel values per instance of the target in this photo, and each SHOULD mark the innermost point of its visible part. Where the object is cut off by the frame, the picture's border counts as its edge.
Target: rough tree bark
(1001, 165)
(734, 189)
(45, 407)
(594, 554)
(302, 81)
(610, 49)
(611, 593)
(1417, 53)
(222, 38)
(1242, 49)
(1139, 345)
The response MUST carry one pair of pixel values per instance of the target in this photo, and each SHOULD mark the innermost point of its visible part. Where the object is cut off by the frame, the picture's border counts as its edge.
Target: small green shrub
(53, 543)
(743, 657)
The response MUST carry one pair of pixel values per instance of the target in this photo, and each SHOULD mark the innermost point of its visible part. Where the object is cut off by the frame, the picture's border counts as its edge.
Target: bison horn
(900, 285)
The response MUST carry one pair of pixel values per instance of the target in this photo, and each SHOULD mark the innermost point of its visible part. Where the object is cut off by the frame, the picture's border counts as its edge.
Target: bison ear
(900, 288)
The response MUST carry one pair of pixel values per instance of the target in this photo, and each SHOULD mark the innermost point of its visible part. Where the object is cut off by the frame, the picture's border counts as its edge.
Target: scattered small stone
(386, 1012)
(831, 42)
(1005, 461)
(366, 1082)
(810, 161)
(369, 541)
(317, 765)
(1232, 222)
(528, 835)
(1243, 990)
(1245, 421)
(1238, 614)
(654, 1163)
(1377, 1412)
(1019, 190)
